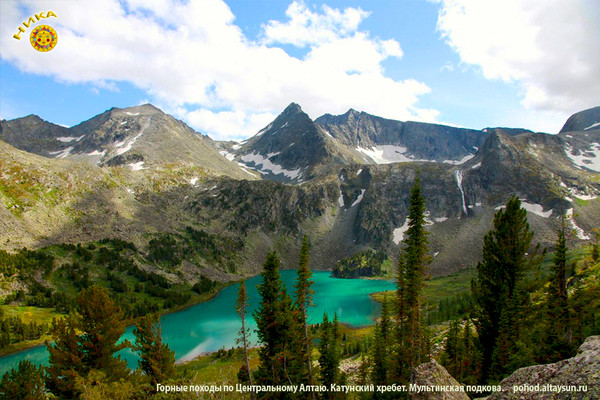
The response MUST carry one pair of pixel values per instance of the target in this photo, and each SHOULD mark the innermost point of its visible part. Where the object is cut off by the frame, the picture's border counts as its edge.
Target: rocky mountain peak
(292, 109)
(585, 120)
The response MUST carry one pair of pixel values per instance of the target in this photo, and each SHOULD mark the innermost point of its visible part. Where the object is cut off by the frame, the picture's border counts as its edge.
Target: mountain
(582, 121)
(291, 149)
(316, 182)
(581, 134)
(137, 137)
(33, 134)
(377, 140)
(294, 148)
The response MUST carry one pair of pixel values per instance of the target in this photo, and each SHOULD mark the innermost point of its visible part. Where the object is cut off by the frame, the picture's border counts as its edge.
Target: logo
(43, 38)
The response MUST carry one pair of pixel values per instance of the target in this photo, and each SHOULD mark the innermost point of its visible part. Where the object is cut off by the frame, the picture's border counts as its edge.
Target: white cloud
(306, 27)
(191, 57)
(550, 48)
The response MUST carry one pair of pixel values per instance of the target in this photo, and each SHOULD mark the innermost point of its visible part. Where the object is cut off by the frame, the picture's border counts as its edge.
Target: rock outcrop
(433, 375)
(565, 379)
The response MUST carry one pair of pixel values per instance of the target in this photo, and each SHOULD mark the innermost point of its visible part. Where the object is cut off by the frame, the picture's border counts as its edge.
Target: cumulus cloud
(305, 27)
(550, 48)
(193, 60)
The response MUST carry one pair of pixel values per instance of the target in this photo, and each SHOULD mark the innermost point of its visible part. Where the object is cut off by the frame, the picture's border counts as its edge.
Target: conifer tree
(381, 347)
(469, 358)
(278, 330)
(329, 358)
(451, 356)
(559, 336)
(157, 361)
(413, 346)
(241, 304)
(25, 382)
(86, 341)
(498, 300)
(303, 301)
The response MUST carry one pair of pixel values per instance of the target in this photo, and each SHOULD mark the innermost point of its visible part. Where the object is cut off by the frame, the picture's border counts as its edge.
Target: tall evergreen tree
(413, 345)
(278, 330)
(304, 294)
(381, 347)
(329, 358)
(498, 300)
(559, 335)
(452, 351)
(157, 361)
(241, 304)
(85, 341)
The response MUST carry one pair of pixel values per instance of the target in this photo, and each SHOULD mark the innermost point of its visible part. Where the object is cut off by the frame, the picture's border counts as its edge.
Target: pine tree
(303, 301)
(413, 346)
(25, 382)
(157, 361)
(241, 304)
(86, 341)
(498, 300)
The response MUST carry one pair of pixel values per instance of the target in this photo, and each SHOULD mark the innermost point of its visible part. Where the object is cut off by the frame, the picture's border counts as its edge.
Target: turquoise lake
(214, 324)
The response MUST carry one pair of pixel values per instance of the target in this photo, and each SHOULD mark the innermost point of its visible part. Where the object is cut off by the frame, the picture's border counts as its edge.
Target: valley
(165, 218)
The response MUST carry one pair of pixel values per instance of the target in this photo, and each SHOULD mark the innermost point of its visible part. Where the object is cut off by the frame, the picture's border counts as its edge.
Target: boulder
(432, 375)
(564, 379)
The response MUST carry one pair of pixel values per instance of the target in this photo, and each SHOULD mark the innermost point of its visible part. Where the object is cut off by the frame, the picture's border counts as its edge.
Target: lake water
(214, 324)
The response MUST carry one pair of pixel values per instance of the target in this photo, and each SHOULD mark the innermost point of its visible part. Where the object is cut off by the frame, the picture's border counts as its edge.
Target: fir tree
(278, 330)
(469, 358)
(86, 341)
(381, 347)
(303, 301)
(498, 300)
(329, 358)
(452, 354)
(157, 361)
(559, 336)
(413, 346)
(241, 304)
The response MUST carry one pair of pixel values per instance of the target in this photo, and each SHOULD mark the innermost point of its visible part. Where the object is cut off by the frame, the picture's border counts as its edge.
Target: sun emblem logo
(43, 38)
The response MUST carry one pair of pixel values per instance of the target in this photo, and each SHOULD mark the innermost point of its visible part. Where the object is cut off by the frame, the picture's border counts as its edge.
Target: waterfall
(462, 193)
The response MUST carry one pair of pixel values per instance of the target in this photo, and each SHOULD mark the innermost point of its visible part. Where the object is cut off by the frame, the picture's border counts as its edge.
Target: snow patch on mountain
(536, 209)
(264, 164)
(359, 198)
(137, 166)
(62, 153)
(578, 231)
(67, 139)
(589, 159)
(227, 155)
(124, 146)
(398, 234)
(592, 126)
(386, 154)
(461, 161)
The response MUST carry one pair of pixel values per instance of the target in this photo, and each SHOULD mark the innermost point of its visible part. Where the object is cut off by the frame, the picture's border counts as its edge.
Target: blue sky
(227, 68)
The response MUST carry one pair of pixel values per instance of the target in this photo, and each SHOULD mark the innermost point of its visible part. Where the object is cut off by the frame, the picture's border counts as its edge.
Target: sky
(228, 68)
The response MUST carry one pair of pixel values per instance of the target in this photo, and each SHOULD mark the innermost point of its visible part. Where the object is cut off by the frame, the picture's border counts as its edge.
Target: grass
(440, 288)
(28, 315)
(209, 369)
